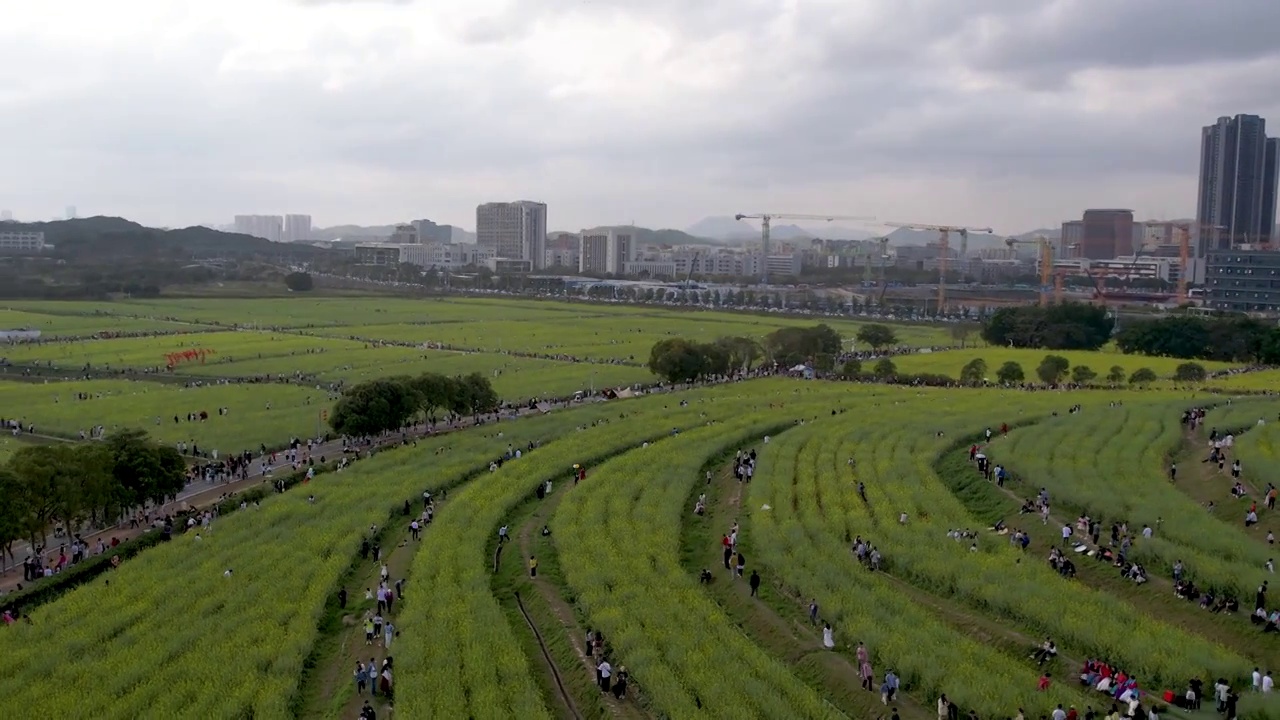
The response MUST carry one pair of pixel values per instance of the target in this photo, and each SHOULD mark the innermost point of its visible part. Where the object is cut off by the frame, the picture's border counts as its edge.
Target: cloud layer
(1003, 112)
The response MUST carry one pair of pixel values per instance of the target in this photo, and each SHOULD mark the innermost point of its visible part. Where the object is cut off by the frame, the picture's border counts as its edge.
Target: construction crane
(688, 277)
(884, 249)
(1184, 254)
(1046, 266)
(944, 233)
(766, 219)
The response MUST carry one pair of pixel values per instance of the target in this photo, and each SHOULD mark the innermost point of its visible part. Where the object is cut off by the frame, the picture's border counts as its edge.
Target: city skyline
(1011, 115)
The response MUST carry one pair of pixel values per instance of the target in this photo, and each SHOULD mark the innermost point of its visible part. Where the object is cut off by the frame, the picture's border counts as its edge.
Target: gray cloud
(1043, 106)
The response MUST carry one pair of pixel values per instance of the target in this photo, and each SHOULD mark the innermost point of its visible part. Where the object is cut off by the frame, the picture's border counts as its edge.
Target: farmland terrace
(768, 548)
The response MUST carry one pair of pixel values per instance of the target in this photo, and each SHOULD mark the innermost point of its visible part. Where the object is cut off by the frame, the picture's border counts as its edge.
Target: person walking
(533, 566)
(755, 583)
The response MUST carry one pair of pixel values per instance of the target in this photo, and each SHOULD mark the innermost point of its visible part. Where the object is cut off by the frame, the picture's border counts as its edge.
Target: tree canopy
(390, 403)
(298, 281)
(1064, 326)
(1235, 338)
(1052, 369)
(876, 335)
(73, 482)
(791, 346)
(1010, 373)
(682, 360)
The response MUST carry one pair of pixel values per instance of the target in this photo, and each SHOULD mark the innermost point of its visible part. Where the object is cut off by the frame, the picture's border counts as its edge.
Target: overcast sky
(1013, 113)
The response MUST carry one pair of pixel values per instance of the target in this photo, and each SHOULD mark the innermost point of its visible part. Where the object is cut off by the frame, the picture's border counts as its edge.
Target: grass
(118, 404)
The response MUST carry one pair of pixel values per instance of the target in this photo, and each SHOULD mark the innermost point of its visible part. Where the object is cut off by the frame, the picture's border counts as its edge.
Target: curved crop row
(1110, 462)
(894, 451)
(800, 539)
(168, 635)
(462, 658)
(618, 546)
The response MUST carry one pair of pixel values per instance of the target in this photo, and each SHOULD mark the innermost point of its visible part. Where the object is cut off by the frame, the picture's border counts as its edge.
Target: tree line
(819, 347)
(1230, 338)
(72, 483)
(1063, 326)
(391, 403)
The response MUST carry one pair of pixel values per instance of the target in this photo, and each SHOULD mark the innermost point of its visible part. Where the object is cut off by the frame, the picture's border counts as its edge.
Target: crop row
(1110, 462)
(169, 635)
(894, 451)
(618, 545)
(463, 659)
(1258, 447)
(799, 540)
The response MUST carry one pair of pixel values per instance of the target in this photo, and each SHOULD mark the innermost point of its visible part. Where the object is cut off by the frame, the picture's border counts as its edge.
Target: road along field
(950, 362)
(169, 634)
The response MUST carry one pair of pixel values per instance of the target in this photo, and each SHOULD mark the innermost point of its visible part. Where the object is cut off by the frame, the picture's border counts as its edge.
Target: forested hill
(113, 237)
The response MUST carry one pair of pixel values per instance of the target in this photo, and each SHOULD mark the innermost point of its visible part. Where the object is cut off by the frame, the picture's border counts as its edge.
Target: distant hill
(110, 238)
(340, 231)
(835, 232)
(665, 236)
(722, 227)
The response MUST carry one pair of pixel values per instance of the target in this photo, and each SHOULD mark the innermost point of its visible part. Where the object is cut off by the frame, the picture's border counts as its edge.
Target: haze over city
(1010, 114)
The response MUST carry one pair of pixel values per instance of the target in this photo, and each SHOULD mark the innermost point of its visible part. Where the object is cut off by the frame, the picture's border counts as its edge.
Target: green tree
(1142, 377)
(1064, 326)
(974, 372)
(1082, 374)
(298, 281)
(677, 360)
(379, 405)
(743, 352)
(884, 369)
(876, 335)
(143, 469)
(795, 345)
(851, 369)
(479, 393)
(1115, 375)
(962, 331)
(1052, 369)
(1010, 373)
(1190, 372)
(433, 391)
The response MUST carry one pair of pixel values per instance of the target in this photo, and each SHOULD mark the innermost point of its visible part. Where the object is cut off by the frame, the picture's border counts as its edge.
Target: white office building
(514, 230)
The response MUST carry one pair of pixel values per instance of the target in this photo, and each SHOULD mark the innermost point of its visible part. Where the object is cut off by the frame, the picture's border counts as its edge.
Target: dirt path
(329, 691)
(562, 636)
(773, 620)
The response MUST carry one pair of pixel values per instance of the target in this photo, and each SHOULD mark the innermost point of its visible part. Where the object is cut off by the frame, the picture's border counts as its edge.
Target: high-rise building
(297, 227)
(622, 250)
(1071, 238)
(593, 252)
(514, 230)
(267, 227)
(1106, 234)
(1237, 202)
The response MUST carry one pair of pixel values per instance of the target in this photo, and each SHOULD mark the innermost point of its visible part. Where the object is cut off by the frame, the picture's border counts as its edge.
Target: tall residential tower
(1238, 172)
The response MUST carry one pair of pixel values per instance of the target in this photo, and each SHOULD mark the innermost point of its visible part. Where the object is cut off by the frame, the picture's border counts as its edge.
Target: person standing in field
(828, 637)
(755, 583)
(533, 566)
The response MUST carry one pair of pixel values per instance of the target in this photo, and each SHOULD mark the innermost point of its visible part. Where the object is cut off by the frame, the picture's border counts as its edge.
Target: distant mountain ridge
(114, 238)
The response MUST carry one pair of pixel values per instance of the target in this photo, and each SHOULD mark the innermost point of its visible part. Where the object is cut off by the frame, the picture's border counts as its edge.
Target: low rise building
(22, 242)
(1243, 281)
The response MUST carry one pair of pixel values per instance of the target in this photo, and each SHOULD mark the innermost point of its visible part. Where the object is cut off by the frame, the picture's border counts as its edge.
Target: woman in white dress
(828, 637)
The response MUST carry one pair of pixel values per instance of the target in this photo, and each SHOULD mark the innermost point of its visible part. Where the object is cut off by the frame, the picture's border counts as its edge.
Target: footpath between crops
(777, 620)
(551, 628)
(990, 503)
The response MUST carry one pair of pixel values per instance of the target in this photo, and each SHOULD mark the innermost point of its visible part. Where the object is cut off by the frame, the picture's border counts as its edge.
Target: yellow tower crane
(1046, 265)
(944, 234)
(1184, 254)
(766, 219)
